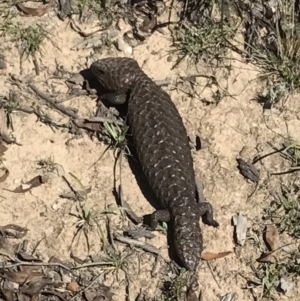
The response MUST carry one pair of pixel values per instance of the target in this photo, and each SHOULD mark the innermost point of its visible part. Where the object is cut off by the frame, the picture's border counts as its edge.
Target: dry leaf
(6, 249)
(20, 276)
(272, 237)
(27, 257)
(20, 231)
(211, 256)
(248, 170)
(148, 24)
(38, 11)
(35, 286)
(4, 173)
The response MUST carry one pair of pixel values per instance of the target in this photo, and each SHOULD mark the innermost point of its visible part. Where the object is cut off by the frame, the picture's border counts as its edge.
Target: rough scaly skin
(163, 150)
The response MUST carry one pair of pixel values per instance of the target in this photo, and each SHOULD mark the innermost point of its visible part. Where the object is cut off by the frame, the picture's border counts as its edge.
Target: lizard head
(116, 73)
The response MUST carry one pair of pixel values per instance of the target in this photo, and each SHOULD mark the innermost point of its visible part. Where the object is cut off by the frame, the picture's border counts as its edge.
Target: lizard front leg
(115, 98)
(159, 216)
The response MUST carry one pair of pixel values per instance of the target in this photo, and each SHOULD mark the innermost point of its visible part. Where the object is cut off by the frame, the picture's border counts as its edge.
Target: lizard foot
(206, 211)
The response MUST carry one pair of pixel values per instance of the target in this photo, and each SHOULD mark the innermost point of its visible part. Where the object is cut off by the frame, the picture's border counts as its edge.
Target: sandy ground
(234, 127)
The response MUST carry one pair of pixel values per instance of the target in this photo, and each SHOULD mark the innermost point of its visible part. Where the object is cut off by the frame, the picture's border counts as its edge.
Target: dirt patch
(234, 126)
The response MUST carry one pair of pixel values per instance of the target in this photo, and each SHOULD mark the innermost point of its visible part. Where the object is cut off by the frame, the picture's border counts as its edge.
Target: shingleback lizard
(163, 149)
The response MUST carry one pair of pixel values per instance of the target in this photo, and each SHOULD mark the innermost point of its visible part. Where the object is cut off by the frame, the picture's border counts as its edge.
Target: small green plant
(173, 290)
(205, 43)
(271, 274)
(284, 212)
(291, 152)
(117, 260)
(88, 219)
(162, 228)
(8, 27)
(31, 39)
(91, 5)
(113, 261)
(117, 135)
(49, 165)
(9, 104)
(280, 57)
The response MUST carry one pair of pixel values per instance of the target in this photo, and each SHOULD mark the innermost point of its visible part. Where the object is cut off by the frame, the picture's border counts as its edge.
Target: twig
(138, 244)
(80, 194)
(163, 82)
(43, 118)
(155, 266)
(23, 263)
(67, 111)
(213, 275)
(73, 194)
(103, 119)
(110, 235)
(36, 65)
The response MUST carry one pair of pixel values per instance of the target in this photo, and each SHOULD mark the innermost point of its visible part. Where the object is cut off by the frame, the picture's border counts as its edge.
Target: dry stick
(213, 275)
(65, 110)
(155, 266)
(103, 119)
(129, 296)
(110, 235)
(23, 263)
(35, 63)
(72, 195)
(163, 82)
(138, 244)
(80, 194)
(44, 118)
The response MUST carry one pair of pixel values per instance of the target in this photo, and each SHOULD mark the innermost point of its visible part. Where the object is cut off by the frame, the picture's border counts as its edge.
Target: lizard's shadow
(132, 160)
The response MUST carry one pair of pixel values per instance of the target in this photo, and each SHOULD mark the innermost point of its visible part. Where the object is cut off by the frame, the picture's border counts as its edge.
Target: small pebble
(121, 25)
(124, 47)
(72, 286)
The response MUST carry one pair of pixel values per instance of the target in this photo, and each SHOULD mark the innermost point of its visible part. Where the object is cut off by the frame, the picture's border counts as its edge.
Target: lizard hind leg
(206, 211)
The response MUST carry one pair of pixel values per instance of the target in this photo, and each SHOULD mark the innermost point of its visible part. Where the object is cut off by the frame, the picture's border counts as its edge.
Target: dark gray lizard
(162, 146)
